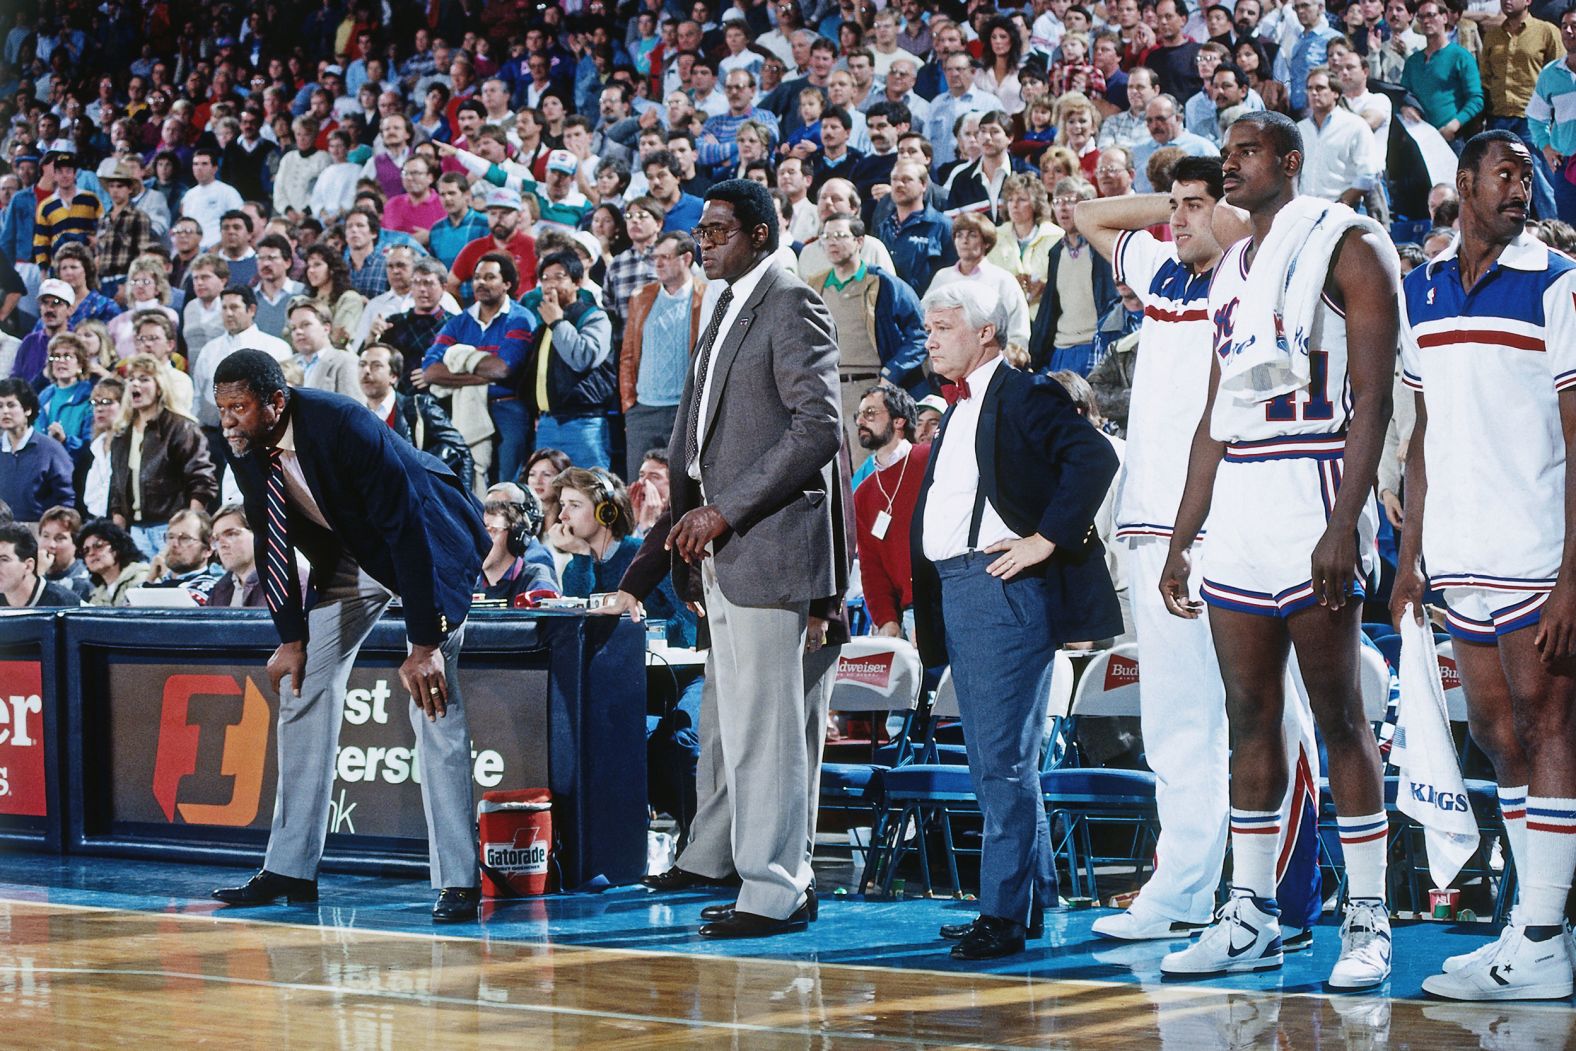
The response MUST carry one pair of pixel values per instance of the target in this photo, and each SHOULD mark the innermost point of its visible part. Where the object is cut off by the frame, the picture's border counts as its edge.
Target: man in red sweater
(884, 506)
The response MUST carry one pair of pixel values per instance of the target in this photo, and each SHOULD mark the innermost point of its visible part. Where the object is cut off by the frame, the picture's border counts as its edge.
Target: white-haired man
(1006, 568)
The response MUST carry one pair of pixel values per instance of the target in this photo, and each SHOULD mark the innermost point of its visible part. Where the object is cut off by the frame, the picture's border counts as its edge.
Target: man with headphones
(512, 520)
(596, 526)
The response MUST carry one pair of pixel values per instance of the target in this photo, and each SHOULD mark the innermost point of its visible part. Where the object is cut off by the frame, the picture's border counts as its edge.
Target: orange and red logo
(242, 760)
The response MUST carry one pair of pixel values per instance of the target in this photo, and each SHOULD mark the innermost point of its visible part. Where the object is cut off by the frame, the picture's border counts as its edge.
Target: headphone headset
(529, 509)
(606, 511)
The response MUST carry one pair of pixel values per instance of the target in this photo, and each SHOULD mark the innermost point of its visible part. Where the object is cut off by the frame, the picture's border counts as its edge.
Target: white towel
(1268, 354)
(1431, 789)
(468, 408)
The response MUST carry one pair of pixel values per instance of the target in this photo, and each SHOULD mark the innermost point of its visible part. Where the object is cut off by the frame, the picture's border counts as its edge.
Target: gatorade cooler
(516, 842)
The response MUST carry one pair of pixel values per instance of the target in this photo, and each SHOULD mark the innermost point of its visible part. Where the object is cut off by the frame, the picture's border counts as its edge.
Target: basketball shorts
(1272, 502)
(1484, 613)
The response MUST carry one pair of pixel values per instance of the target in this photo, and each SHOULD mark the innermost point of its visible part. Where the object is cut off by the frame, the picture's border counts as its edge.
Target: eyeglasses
(1067, 201)
(144, 339)
(871, 414)
(62, 357)
(93, 547)
(143, 282)
(181, 540)
(837, 237)
(103, 403)
(716, 234)
(1109, 169)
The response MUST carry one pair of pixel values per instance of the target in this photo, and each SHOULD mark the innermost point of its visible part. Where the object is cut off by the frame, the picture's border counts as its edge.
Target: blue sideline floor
(851, 930)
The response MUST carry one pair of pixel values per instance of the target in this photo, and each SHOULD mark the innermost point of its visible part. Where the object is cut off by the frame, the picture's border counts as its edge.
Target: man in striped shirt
(1488, 343)
(69, 215)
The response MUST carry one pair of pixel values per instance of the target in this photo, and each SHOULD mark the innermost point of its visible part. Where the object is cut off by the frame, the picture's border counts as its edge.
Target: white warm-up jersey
(1491, 364)
(1170, 382)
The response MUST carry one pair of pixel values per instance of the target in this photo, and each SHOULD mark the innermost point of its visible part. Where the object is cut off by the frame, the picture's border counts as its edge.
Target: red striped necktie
(281, 586)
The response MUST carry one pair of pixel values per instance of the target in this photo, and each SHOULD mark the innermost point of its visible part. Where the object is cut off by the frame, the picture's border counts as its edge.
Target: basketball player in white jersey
(1488, 343)
(1183, 706)
(1287, 486)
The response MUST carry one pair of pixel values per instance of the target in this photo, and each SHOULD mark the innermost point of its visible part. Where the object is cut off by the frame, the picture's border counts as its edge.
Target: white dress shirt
(743, 288)
(1337, 157)
(297, 491)
(949, 505)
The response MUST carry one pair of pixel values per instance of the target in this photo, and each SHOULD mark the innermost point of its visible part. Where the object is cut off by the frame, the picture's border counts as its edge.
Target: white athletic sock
(1363, 842)
(1255, 843)
(1513, 811)
(1550, 858)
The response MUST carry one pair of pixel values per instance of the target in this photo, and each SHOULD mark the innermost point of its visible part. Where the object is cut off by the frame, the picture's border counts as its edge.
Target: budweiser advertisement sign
(22, 778)
(1120, 672)
(874, 670)
(1449, 674)
(195, 744)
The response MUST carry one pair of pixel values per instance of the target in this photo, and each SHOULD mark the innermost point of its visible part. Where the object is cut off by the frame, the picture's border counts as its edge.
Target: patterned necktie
(281, 587)
(692, 447)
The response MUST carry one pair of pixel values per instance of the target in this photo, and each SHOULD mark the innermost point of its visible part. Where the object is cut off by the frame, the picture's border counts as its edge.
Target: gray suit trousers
(308, 733)
(762, 729)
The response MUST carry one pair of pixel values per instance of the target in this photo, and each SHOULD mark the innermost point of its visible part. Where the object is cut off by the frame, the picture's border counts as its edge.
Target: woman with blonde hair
(147, 289)
(1077, 126)
(158, 458)
(1024, 241)
(105, 403)
(1058, 163)
(100, 347)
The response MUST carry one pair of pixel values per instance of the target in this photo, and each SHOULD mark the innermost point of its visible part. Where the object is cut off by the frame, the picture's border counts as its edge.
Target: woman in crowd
(148, 289)
(74, 265)
(607, 223)
(1077, 124)
(100, 348)
(328, 282)
(755, 146)
(1003, 52)
(1255, 64)
(64, 412)
(541, 468)
(973, 238)
(1023, 242)
(158, 458)
(432, 121)
(92, 470)
(114, 563)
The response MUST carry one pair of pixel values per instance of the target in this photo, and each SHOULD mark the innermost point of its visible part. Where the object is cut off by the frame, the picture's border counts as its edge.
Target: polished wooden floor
(89, 977)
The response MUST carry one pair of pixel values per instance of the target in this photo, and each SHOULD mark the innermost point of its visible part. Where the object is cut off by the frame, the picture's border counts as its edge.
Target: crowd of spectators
(474, 216)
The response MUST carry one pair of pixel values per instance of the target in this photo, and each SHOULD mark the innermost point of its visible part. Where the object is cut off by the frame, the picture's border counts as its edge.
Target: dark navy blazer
(400, 513)
(1045, 469)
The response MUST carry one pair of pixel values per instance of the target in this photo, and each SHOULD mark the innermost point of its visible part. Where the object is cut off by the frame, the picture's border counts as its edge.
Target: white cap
(59, 289)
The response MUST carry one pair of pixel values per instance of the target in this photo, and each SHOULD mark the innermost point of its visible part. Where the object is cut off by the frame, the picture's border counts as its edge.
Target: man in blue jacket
(918, 236)
(375, 518)
(1007, 567)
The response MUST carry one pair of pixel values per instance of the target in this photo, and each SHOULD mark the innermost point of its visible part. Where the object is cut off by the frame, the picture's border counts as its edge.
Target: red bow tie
(955, 391)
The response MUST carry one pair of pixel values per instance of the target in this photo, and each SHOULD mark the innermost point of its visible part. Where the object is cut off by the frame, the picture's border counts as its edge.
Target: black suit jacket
(1045, 469)
(400, 513)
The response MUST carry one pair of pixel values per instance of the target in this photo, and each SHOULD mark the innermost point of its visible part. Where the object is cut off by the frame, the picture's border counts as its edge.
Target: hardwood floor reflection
(88, 978)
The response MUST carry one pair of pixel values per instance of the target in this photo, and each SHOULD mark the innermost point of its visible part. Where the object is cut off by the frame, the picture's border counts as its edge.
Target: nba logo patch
(1430, 300)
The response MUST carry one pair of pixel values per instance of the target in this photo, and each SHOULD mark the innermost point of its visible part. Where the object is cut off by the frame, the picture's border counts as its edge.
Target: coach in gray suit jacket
(753, 451)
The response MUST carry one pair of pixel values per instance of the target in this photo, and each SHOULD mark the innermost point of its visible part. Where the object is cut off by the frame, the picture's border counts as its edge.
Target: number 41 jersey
(1321, 408)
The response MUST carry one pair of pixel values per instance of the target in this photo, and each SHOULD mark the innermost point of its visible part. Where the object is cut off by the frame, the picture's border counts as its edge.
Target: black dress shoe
(737, 924)
(456, 905)
(991, 938)
(811, 907)
(678, 879)
(266, 887)
(956, 931)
